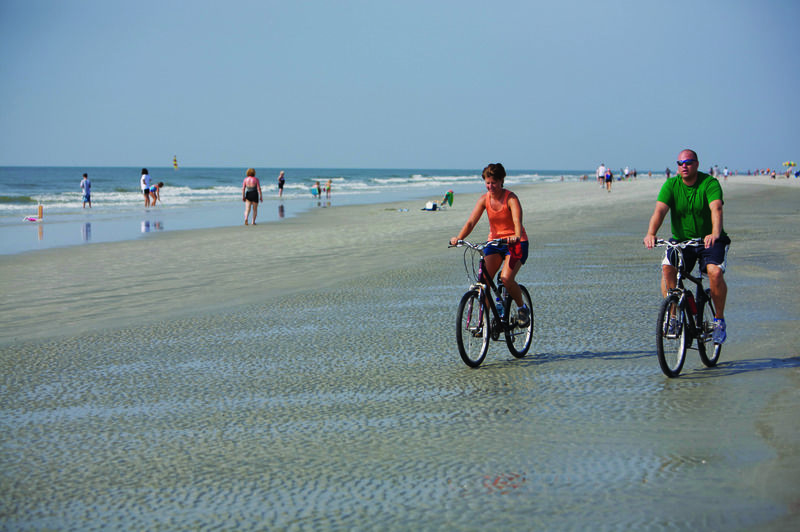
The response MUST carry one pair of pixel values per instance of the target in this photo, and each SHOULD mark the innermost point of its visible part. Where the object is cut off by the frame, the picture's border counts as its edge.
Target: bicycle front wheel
(472, 329)
(672, 336)
(706, 325)
(519, 338)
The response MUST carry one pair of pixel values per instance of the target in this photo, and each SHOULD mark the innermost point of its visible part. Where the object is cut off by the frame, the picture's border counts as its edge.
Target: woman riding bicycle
(505, 221)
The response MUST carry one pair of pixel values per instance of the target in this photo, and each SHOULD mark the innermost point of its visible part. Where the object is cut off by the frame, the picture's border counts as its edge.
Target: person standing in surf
(86, 187)
(144, 182)
(251, 195)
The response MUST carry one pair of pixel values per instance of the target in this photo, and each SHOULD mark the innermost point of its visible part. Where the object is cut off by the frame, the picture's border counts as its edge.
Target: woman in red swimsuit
(505, 221)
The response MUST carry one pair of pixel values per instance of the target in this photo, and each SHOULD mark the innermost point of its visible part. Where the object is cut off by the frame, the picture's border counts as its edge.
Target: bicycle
(478, 320)
(682, 318)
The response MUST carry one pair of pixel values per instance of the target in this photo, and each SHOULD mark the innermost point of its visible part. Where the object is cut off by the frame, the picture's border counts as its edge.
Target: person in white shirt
(145, 184)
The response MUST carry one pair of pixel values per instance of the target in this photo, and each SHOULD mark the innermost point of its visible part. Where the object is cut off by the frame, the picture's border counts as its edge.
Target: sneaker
(719, 331)
(523, 317)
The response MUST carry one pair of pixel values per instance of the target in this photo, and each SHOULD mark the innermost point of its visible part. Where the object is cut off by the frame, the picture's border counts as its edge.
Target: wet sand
(305, 375)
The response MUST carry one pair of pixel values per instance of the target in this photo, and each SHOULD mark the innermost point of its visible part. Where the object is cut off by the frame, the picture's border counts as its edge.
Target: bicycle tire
(710, 360)
(671, 346)
(518, 338)
(472, 329)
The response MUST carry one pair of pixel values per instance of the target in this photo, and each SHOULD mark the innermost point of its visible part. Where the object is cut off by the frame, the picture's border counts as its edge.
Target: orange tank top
(501, 223)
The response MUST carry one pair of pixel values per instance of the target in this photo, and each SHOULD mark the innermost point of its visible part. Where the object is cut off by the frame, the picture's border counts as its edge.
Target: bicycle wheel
(672, 337)
(711, 358)
(518, 338)
(472, 329)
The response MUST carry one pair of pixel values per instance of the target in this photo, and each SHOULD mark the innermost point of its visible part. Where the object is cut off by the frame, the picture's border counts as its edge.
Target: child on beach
(281, 183)
(505, 221)
(86, 187)
(155, 193)
(144, 182)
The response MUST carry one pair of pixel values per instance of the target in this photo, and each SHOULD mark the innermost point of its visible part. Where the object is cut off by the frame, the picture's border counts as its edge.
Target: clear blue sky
(562, 84)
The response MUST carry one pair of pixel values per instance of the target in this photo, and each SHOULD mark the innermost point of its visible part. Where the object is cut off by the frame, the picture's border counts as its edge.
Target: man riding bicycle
(694, 201)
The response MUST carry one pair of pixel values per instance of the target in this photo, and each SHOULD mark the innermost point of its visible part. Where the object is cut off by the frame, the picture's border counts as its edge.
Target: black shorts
(251, 195)
(716, 254)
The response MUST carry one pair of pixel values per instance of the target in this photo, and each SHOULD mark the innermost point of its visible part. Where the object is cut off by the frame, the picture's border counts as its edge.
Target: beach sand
(304, 374)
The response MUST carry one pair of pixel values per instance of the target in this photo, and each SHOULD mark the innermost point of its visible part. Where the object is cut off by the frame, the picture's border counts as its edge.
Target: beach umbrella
(790, 163)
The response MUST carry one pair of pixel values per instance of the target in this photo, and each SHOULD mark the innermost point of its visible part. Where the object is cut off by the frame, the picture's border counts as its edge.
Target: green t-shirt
(688, 206)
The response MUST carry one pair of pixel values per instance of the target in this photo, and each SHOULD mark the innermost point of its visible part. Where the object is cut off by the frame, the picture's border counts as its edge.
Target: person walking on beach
(144, 182)
(251, 195)
(504, 211)
(86, 187)
(281, 182)
(609, 179)
(694, 201)
(328, 189)
(601, 174)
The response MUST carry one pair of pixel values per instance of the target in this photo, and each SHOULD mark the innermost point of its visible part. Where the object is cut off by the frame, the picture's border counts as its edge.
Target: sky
(565, 84)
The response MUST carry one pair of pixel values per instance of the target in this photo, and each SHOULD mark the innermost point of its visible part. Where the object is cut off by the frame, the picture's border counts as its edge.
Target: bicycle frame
(491, 291)
(692, 301)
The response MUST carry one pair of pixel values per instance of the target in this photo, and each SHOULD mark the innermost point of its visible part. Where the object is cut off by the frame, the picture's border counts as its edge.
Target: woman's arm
(516, 215)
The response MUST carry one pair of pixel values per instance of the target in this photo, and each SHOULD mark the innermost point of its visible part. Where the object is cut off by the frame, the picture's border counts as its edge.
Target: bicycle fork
(477, 330)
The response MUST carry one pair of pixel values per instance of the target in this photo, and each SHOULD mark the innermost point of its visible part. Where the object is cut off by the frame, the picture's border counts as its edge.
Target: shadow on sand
(735, 367)
(537, 359)
(723, 369)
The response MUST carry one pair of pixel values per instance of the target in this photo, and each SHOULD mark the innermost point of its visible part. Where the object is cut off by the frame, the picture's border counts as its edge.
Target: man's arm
(656, 220)
(716, 223)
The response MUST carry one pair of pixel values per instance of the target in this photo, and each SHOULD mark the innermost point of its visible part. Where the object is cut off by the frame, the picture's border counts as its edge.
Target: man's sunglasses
(687, 162)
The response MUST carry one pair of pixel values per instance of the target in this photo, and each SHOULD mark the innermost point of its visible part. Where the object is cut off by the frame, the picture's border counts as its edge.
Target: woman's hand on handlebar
(454, 241)
(649, 241)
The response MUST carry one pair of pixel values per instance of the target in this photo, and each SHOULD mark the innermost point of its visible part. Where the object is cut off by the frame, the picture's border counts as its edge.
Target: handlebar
(693, 243)
(479, 247)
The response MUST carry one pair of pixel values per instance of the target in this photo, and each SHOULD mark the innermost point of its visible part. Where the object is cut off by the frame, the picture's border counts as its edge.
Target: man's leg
(669, 278)
(719, 289)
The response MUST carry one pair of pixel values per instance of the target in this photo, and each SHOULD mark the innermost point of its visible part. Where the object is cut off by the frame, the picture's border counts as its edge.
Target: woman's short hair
(495, 171)
(251, 172)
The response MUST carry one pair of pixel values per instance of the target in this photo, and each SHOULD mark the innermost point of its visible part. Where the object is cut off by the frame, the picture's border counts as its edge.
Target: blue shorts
(518, 252)
(716, 254)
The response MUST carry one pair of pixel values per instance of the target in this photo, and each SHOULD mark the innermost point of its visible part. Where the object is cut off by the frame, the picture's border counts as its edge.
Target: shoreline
(162, 274)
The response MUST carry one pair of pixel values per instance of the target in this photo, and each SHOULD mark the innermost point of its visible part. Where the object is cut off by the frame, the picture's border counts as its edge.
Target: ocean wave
(114, 189)
(21, 200)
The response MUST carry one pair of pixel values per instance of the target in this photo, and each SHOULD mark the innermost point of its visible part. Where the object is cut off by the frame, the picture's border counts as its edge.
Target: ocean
(194, 198)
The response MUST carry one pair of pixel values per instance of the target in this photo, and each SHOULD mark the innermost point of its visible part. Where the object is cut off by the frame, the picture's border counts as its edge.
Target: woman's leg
(492, 263)
(510, 282)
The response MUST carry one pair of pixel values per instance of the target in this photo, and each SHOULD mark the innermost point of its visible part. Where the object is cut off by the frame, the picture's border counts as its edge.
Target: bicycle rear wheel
(672, 336)
(472, 329)
(709, 357)
(518, 338)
